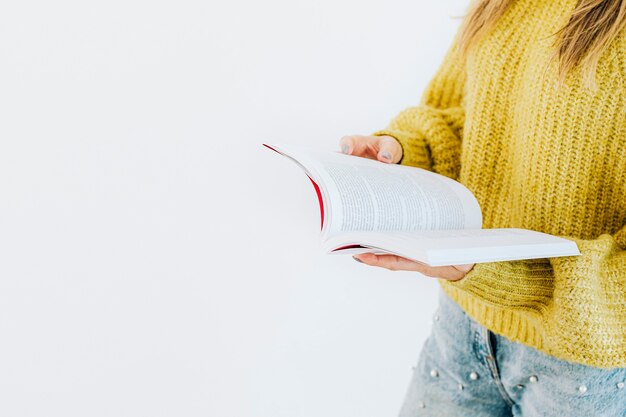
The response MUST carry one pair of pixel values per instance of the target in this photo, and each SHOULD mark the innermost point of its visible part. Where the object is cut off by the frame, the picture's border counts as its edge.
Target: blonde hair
(592, 26)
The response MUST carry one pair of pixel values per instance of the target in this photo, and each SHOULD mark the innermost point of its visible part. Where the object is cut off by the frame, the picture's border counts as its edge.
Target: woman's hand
(397, 263)
(382, 148)
(388, 149)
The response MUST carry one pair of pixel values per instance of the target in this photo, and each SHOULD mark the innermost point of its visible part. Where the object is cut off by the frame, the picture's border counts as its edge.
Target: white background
(155, 259)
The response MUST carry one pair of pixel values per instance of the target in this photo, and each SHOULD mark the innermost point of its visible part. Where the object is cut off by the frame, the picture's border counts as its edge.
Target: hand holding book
(387, 149)
(398, 263)
(382, 148)
(368, 207)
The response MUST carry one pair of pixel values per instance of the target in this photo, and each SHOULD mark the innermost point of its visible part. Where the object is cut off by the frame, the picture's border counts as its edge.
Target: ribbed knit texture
(537, 156)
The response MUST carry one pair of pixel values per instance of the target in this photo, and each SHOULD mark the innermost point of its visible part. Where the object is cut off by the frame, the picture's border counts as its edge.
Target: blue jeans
(466, 370)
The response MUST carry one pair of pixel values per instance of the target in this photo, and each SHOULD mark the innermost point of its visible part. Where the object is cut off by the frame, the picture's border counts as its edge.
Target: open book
(371, 206)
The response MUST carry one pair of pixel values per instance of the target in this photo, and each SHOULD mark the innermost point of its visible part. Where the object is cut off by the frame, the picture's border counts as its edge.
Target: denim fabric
(465, 370)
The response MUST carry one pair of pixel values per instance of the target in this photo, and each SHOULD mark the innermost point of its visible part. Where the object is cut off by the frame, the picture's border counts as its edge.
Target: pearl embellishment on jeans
(533, 378)
(519, 386)
(582, 389)
(421, 405)
(620, 385)
(461, 387)
(473, 376)
(434, 373)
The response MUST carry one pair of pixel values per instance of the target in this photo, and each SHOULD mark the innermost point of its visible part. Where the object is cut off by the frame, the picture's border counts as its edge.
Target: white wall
(155, 259)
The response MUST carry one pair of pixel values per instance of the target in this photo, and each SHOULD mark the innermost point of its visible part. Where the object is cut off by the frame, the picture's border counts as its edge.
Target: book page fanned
(370, 206)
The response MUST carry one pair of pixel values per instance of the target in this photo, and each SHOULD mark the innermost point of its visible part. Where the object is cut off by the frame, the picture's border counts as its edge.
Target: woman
(528, 110)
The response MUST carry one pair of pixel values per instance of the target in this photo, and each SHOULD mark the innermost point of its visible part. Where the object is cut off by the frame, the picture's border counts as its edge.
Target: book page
(368, 195)
(456, 247)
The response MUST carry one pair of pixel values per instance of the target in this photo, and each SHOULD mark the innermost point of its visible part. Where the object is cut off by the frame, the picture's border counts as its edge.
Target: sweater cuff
(520, 280)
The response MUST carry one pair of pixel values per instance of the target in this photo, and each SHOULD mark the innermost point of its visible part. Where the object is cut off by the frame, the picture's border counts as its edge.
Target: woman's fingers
(358, 145)
(391, 262)
(382, 148)
(390, 150)
(397, 263)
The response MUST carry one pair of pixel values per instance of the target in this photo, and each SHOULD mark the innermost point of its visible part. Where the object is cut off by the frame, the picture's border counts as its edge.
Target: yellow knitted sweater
(541, 157)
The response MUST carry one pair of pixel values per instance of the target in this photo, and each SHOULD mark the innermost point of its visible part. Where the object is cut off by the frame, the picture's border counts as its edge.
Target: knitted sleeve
(430, 133)
(532, 299)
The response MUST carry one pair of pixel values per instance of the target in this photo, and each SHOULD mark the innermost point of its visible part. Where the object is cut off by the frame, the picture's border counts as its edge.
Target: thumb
(464, 268)
(389, 150)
